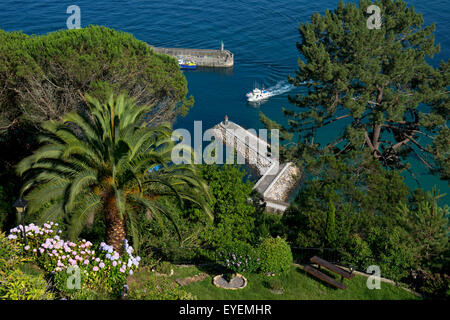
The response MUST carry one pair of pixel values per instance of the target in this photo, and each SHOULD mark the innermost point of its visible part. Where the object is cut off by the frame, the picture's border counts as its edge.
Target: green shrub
(358, 253)
(19, 280)
(239, 257)
(432, 285)
(234, 217)
(17, 285)
(94, 289)
(164, 267)
(9, 254)
(276, 255)
(144, 285)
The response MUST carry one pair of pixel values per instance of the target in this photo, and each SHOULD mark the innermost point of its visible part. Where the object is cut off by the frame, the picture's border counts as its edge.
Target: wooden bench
(316, 273)
(332, 267)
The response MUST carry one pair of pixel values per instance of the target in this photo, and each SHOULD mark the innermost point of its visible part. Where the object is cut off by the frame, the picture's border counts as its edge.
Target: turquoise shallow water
(262, 35)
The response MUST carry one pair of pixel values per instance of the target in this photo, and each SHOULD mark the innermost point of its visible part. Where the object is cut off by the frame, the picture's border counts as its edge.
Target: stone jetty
(202, 57)
(277, 180)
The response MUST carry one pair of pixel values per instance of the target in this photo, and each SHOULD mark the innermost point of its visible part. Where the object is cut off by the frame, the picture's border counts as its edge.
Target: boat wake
(280, 88)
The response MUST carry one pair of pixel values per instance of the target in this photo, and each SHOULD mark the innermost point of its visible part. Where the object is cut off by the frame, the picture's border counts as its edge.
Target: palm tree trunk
(115, 225)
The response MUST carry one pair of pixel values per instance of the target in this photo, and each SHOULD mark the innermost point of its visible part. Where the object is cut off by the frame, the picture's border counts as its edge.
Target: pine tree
(376, 82)
(428, 225)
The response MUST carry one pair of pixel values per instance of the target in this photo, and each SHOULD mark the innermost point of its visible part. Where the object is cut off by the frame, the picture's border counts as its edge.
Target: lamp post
(20, 206)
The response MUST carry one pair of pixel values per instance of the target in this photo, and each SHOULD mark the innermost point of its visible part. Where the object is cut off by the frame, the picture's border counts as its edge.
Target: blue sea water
(261, 33)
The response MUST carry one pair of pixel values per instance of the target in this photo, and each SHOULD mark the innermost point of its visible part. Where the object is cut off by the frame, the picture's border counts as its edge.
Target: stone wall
(283, 184)
(283, 178)
(203, 57)
(251, 150)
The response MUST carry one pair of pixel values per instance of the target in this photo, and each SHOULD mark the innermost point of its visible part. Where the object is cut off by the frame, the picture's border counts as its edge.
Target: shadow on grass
(212, 269)
(324, 271)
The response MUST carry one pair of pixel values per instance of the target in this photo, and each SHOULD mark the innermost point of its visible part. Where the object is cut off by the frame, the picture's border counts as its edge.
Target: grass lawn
(297, 286)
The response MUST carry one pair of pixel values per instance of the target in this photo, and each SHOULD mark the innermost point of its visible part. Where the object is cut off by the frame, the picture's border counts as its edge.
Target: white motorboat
(258, 94)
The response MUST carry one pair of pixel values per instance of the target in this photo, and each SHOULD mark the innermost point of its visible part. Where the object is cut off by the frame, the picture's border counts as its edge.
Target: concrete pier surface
(276, 180)
(202, 57)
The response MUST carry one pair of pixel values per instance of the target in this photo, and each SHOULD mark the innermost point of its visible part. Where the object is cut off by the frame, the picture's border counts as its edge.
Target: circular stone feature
(238, 282)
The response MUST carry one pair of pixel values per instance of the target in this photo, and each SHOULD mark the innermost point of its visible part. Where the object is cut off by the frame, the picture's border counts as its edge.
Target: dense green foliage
(374, 83)
(276, 256)
(234, 217)
(17, 282)
(357, 188)
(175, 237)
(375, 221)
(18, 285)
(44, 77)
(106, 164)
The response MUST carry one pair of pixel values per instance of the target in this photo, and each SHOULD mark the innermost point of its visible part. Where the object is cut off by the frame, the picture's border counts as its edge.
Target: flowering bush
(239, 257)
(104, 265)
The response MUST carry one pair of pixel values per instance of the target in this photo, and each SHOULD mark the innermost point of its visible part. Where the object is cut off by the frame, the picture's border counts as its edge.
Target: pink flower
(86, 261)
(114, 263)
(101, 265)
(95, 268)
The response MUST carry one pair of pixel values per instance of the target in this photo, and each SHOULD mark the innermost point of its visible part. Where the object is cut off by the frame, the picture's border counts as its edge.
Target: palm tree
(109, 163)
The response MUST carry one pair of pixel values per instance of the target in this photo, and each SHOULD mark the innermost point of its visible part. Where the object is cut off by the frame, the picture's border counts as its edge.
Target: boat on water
(186, 64)
(258, 94)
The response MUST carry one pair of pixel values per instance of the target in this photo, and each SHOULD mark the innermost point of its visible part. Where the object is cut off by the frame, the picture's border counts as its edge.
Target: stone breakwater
(276, 180)
(249, 147)
(202, 57)
(282, 185)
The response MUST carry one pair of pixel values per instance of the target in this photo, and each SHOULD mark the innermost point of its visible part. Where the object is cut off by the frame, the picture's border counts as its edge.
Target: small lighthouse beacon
(221, 46)
(226, 120)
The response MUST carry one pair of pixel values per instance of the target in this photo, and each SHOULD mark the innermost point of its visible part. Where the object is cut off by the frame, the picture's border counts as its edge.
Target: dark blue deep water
(261, 33)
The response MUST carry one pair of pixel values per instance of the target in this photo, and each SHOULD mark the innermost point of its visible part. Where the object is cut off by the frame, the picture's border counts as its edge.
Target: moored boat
(186, 64)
